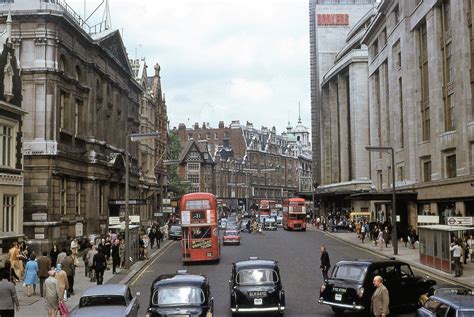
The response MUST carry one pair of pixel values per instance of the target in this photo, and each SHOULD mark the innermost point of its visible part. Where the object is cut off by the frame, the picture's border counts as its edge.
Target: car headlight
(360, 292)
(323, 287)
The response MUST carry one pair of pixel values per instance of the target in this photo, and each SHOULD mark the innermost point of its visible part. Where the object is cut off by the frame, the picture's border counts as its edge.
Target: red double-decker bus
(294, 214)
(200, 233)
(264, 207)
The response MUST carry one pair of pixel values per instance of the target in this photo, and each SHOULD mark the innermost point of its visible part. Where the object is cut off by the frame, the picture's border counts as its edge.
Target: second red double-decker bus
(294, 214)
(200, 234)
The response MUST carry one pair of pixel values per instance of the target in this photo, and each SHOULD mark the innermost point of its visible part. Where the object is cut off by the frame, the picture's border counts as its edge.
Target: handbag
(63, 309)
(65, 296)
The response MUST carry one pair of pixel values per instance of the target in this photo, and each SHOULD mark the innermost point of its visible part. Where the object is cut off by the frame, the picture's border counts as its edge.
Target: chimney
(196, 126)
(181, 126)
(221, 124)
(204, 125)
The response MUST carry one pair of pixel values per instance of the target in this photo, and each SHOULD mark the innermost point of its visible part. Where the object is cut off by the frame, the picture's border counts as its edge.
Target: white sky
(244, 60)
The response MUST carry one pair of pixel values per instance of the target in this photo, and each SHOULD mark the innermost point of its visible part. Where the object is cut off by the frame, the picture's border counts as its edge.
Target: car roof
(179, 279)
(106, 289)
(369, 262)
(456, 301)
(254, 264)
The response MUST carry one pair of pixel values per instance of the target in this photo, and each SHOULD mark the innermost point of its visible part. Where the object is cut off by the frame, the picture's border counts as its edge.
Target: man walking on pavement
(70, 269)
(159, 237)
(457, 250)
(8, 298)
(90, 259)
(380, 298)
(325, 263)
(115, 256)
(44, 265)
(99, 264)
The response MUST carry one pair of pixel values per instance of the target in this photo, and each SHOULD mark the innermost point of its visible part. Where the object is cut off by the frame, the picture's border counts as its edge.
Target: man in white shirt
(457, 250)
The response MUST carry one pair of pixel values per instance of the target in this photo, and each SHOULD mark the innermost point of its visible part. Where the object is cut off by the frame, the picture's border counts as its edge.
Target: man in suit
(70, 269)
(44, 265)
(99, 262)
(325, 263)
(8, 297)
(380, 299)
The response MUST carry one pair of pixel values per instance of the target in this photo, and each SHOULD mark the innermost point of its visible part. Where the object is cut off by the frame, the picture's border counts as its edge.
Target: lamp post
(394, 201)
(133, 137)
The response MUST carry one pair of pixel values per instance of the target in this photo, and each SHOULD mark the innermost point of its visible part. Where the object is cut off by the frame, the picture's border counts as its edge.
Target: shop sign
(39, 216)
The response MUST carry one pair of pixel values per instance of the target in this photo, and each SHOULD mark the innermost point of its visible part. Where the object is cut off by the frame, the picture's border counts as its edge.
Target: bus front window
(201, 232)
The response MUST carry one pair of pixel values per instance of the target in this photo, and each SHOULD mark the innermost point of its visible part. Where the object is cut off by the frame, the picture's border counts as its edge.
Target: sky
(227, 60)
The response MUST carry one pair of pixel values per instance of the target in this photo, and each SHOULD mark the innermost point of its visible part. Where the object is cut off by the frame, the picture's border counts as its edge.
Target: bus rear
(200, 235)
(294, 214)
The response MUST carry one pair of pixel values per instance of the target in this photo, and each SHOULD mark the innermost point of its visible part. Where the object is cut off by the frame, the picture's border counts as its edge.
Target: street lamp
(133, 137)
(394, 202)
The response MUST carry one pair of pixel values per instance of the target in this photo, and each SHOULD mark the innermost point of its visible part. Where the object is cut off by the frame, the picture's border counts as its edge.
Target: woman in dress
(16, 260)
(380, 239)
(122, 252)
(31, 275)
(61, 276)
(52, 294)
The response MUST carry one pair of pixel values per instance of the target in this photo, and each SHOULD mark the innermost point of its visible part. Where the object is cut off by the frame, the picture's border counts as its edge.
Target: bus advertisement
(199, 224)
(294, 214)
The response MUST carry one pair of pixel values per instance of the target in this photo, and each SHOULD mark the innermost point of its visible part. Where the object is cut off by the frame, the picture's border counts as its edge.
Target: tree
(175, 184)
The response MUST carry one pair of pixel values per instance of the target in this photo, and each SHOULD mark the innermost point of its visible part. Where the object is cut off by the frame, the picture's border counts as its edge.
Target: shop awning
(400, 195)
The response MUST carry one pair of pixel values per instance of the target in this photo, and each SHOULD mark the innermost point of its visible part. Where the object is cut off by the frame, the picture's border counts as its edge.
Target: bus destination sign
(198, 216)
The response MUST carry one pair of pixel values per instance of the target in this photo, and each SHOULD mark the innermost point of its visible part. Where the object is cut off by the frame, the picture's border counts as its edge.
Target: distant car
(279, 221)
(180, 294)
(222, 223)
(255, 286)
(231, 237)
(350, 286)
(443, 289)
(175, 233)
(243, 225)
(246, 214)
(448, 305)
(270, 224)
(109, 300)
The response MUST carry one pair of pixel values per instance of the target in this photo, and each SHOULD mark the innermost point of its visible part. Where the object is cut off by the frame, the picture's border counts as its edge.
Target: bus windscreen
(198, 204)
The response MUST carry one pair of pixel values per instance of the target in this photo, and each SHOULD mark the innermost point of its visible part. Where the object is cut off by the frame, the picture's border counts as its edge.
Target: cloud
(221, 60)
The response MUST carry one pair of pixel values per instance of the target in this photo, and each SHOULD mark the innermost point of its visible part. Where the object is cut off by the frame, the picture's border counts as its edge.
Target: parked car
(107, 300)
(350, 286)
(175, 233)
(448, 305)
(231, 237)
(255, 286)
(180, 294)
(443, 289)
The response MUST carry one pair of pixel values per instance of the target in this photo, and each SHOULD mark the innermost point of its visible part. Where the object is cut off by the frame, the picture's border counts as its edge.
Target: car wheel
(338, 311)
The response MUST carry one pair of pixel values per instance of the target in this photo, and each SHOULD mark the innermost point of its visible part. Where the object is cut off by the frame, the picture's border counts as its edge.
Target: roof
(366, 262)
(466, 302)
(446, 228)
(106, 289)
(179, 279)
(251, 264)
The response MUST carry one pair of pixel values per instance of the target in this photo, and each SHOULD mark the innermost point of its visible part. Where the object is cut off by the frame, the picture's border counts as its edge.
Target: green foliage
(175, 184)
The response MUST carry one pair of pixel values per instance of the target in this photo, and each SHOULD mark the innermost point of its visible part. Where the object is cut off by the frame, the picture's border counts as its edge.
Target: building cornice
(355, 56)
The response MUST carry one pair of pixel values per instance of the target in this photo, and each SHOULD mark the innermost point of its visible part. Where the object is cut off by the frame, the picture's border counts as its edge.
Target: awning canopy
(400, 195)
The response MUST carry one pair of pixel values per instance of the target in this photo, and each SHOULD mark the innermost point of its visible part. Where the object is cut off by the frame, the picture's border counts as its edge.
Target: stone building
(152, 151)
(196, 167)
(421, 104)
(11, 131)
(82, 99)
(344, 121)
(329, 24)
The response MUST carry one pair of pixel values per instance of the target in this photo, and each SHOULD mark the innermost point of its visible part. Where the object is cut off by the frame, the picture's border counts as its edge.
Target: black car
(175, 232)
(180, 294)
(350, 286)
(255, 286)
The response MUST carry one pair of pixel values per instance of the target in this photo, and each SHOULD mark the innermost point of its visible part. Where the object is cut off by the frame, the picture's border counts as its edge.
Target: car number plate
(257, 301)
(338, 297)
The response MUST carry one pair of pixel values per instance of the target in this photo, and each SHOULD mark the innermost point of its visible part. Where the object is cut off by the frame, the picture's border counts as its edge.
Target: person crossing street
(325, 262)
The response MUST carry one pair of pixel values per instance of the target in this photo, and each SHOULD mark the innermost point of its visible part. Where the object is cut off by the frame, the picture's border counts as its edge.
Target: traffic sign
(460, 221)
(451, 221)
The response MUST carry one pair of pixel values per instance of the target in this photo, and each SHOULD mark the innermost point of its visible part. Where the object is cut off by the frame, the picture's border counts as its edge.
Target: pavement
(35, 305)
(406, 254)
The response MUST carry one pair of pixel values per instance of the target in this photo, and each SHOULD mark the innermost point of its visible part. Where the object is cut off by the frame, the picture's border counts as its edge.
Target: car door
(133, 305)
(410, 290)
(391, 277)
(430, 309)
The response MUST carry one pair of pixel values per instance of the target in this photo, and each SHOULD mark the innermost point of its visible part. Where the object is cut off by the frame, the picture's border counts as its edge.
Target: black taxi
(180, 294)
(256, 287)
(350, 286)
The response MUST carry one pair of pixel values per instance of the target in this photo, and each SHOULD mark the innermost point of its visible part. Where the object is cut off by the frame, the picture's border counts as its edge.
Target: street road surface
(298, 256)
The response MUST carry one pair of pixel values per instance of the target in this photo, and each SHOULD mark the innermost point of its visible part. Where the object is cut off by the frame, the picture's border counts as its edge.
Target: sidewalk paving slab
(406, 254)
(35, 304)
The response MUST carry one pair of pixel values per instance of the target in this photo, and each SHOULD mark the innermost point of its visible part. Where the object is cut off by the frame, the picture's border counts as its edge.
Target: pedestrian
(61, 256)
(74, 249)
(44, 265)
(363, 232)
(115, 256)
(70, 269)
(52, 294)
(159, 237)
(8, 269)
(63, 284)
(90, 259)
(325, 262)
(152, 236)
(122, 253)
(380, 298)
(16, 260)
(99, 262)
(53, 254)
(146, 244)
(107, 247)
(380, 239)
(31, 275)
(386, 237)
(8, 298)
(470, 245)
(85, 258)
(457, 250)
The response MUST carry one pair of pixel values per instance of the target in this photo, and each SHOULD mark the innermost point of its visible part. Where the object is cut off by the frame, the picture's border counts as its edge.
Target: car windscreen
(171, 296)
(201, 204)
(102, 300)
(256, 276)
(349, 272)
(175, 228)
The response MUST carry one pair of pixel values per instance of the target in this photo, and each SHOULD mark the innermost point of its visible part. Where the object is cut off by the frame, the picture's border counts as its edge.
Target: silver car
(110, 300)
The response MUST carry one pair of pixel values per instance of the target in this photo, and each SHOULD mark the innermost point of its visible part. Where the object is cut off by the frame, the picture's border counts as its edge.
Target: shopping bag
(65, 296)
(93, 279)
(76, 261)
(63, 309)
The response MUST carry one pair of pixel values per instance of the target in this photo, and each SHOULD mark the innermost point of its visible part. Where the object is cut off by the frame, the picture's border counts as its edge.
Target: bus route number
(199, 216)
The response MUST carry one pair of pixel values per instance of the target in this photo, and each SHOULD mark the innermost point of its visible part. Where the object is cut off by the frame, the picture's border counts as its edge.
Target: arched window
(78, 74)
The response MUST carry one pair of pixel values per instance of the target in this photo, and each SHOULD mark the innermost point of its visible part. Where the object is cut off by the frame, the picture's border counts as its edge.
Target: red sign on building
(333, 19)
